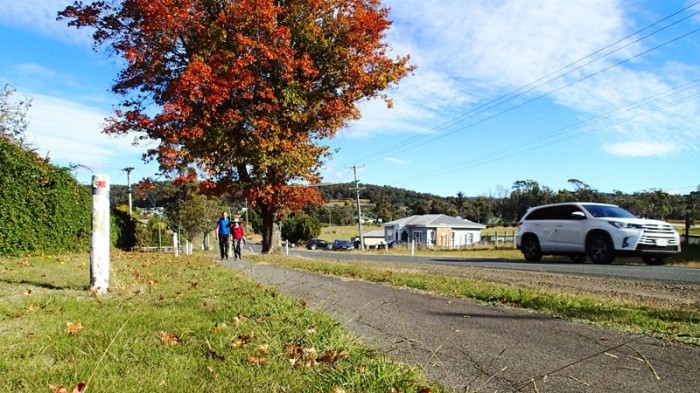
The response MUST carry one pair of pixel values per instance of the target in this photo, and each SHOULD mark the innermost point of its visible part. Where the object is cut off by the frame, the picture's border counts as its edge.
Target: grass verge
(678, 324)
(174, 324)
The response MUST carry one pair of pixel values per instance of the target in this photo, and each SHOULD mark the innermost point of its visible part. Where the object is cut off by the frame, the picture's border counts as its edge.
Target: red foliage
(245, 89)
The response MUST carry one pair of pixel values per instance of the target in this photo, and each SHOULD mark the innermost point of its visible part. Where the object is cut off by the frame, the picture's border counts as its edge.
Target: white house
(434, 231)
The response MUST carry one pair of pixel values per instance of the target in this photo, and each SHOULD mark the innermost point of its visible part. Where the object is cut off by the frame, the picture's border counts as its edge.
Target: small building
(373, 239)
(434, 231)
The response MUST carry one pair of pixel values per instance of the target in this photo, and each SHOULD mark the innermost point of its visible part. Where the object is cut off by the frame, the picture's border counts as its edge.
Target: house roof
(435, 220)
(377, 233)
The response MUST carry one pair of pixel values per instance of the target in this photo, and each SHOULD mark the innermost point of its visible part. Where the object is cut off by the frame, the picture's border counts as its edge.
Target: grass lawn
(174, 324)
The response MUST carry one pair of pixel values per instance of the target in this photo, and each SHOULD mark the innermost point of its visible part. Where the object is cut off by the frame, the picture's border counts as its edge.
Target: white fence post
(175, 243)
(99, 251)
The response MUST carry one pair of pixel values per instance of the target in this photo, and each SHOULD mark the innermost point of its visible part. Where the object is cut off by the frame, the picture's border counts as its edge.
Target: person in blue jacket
(222, 234)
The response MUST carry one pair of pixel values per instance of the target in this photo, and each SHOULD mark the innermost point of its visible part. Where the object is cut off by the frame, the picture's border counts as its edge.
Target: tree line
(387, 203)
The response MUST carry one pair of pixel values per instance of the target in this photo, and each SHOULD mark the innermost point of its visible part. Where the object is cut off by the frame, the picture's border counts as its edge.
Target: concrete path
(475, 348)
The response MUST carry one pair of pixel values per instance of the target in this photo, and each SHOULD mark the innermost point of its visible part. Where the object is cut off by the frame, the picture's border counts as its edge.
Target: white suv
(596, 230)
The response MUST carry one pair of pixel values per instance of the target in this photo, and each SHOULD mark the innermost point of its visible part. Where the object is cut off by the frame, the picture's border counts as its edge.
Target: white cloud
(40, 16)
(71, 133)
(395, 160)
(642, 148)
(483, 49)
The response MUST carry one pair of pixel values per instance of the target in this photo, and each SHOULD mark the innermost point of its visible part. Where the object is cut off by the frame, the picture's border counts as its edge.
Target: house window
(418, 237)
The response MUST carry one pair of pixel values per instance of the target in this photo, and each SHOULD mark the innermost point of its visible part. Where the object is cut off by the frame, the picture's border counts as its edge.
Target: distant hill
(397, 196)
(119, 194)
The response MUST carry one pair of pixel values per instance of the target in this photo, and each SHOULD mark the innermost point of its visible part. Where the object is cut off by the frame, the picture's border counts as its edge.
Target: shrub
(43, 209)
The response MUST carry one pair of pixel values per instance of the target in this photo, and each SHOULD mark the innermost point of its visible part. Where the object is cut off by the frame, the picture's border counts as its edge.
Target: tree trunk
(272, 231)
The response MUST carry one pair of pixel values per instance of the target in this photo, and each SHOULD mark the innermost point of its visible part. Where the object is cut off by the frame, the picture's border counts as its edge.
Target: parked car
(313, 244)
(342, 245)
(594, 230)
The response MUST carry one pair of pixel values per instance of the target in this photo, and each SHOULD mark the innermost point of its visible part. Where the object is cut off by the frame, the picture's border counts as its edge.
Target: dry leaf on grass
(168, 338)
(242, 341)
(257, 361)
(73, 329)
(60, 389)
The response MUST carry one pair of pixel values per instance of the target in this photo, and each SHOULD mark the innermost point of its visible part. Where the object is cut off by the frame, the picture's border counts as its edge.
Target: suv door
(569, 223)
(538, 222)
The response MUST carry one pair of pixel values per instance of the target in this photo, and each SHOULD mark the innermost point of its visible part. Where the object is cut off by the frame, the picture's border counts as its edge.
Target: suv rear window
(560, 212)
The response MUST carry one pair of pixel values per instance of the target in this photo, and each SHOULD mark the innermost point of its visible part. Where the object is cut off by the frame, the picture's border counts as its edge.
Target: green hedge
(43, 209)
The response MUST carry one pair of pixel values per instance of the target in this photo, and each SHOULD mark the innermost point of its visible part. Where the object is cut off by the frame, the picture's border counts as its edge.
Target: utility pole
(128, 180)
(359, 211)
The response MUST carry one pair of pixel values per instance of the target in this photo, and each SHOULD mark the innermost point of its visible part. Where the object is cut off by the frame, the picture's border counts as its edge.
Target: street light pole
(128, 180)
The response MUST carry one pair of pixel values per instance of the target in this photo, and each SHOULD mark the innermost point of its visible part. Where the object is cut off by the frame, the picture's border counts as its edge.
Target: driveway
(476, 348)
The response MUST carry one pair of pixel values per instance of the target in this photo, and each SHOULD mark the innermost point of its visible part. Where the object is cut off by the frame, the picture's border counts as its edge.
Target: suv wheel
(531, 249)
(313, 246)
(654, 260)
(600, 249)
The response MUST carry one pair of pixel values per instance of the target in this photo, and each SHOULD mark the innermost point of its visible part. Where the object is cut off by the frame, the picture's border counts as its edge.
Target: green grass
(174, 324)
(678, 324)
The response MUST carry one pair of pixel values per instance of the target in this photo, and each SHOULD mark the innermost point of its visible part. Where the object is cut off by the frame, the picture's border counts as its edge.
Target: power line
(535, 84)
(541, 140)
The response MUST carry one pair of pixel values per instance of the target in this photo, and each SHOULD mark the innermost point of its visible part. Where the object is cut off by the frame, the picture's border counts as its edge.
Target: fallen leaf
(241, 341)
(238, 319)
(60, 389)
(257, 361)
(168, 338)
(73, 329)
(262, 348)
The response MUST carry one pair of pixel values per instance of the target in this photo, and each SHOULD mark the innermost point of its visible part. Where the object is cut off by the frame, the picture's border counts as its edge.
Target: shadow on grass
(46, 285)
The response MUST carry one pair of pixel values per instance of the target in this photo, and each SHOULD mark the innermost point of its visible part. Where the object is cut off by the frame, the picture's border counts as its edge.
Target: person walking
(238, 237)
(222, 234)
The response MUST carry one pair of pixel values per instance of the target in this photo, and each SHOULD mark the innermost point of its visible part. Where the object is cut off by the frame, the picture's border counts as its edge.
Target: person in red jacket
(238, 235)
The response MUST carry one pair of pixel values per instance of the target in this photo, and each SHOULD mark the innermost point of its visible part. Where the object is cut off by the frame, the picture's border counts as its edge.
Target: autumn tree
(241, 93)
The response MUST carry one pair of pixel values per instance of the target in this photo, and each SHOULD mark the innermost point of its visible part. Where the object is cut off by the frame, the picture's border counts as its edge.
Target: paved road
(476, 348)
(670, 274)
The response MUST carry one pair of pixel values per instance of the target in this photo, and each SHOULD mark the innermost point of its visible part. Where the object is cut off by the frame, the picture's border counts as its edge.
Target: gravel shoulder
(473, 348)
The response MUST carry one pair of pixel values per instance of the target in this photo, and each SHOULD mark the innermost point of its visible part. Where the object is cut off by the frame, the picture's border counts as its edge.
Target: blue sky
(503, 91)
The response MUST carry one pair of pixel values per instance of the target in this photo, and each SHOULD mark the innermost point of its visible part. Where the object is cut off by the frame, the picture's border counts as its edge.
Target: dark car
(313, 244)
(342, 245)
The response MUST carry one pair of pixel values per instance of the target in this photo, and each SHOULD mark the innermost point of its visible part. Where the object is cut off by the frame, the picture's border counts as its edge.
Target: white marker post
(99, 252)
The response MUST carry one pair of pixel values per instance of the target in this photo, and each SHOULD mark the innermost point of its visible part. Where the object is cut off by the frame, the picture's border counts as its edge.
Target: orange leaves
(257, 361)
(73, 328)
(331, 356)
(275, 77)
(242, 341)
(308, 357)
(168, 338)
(79, 388)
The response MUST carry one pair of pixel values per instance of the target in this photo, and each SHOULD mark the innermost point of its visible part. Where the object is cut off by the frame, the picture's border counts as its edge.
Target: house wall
(440, 237)
(373, 241)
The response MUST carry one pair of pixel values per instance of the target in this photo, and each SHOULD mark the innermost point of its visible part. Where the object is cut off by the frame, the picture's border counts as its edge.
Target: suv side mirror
(578, 215)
